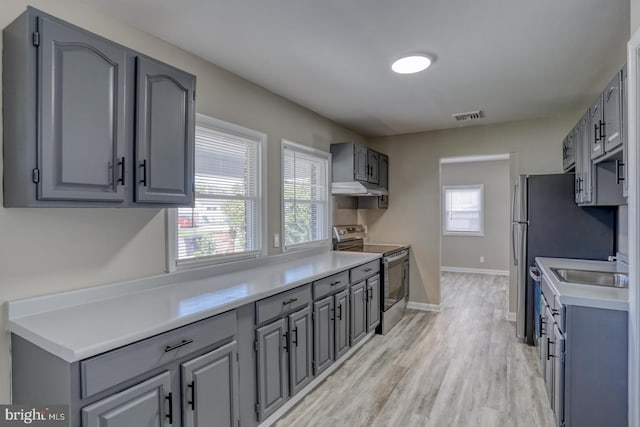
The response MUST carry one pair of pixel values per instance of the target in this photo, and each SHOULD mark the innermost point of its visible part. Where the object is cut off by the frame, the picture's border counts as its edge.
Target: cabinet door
(210, 389)
(300, 357)
(164, 134)
(612, 111)
(341, 323)
(323, 328)
(585, 132)
(148, 404)
(373, 166)
(625, 133)
(272, 367)
(558, 375)
(383, 171)
(358, 318)
(373, 302)
(81, 107)
(596, 130)
(548, 370)
(360, 162)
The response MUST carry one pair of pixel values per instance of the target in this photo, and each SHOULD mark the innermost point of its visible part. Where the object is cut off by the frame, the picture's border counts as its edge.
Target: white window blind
(463, 210)
(305, 190)
(226, 219)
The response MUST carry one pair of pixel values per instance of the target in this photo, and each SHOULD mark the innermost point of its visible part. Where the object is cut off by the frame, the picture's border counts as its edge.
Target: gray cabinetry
(358, 312)
(341, 323)
(149, 404)
(323, 333)
(373, 167)
(373, 302)
(354, 162)
(272, 367)
(210, 388)
(569, 152)
(300, 344)
(583, 351)
(88, 122)
(360, 164)
(81, 143)
(612, 112)
(383, 171)
(596, 130)
(164, 127)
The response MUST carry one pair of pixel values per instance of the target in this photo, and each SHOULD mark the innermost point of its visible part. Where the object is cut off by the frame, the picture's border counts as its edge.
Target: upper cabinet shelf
(88, 122)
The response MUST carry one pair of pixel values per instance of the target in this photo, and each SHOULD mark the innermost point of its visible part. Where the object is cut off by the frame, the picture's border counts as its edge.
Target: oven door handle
(392, 259)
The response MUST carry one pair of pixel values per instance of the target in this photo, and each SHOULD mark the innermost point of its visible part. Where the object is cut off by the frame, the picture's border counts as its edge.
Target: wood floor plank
(460, 367)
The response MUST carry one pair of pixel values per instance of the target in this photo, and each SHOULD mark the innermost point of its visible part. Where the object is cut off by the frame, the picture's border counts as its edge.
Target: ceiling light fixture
(411, 64)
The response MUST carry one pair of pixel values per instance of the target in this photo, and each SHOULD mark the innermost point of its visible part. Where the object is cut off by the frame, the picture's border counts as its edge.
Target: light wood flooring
(460, 367)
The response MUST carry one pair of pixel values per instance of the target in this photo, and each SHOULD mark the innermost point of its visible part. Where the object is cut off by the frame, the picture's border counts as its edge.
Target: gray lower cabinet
(149, 404)
(284, 360)
(210, 388)
(165, 125)
(323, 333)
(358, 312)
(341, 333)
(373, 302)
(89, 122)
(273, 374)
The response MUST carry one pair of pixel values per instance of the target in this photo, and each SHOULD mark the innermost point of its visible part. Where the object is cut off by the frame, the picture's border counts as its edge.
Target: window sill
(463, 234)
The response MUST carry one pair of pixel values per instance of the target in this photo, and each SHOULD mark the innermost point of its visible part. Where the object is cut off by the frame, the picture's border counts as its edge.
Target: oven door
(394, 274)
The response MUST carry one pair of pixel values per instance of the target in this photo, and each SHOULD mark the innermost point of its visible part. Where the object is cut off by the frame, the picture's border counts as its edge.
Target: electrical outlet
(276, 240)
(481, 260)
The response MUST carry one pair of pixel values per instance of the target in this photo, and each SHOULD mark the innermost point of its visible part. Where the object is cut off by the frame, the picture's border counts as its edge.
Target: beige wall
(49, 250)
(465, 251)
(635, 15)
(414, 188)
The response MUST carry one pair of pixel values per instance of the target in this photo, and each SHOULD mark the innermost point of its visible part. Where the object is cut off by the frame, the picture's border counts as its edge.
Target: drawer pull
(549, 355)
(337, 282)
(174, 347)
(366, 270)
(291, 300)
(192, 402)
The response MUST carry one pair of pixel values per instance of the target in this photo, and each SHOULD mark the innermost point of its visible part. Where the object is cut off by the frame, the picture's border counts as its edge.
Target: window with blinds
(463, 210)
(305, 192)
(226, 219)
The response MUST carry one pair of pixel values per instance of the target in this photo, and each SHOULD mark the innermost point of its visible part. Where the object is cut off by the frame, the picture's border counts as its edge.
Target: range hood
(357, 188)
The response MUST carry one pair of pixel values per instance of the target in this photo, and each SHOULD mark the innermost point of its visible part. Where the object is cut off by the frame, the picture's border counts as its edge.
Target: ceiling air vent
(471, 115)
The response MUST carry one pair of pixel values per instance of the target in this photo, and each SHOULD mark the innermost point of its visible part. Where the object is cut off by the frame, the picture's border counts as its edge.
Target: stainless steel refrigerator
(546, 222)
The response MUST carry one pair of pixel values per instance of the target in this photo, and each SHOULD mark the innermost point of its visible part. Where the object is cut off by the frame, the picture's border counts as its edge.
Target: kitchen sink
(587, 277)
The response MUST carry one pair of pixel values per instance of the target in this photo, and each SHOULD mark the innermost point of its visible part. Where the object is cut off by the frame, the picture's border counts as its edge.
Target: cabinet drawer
(109, 369)
(364, 271)
(330, 284)
(277, 305)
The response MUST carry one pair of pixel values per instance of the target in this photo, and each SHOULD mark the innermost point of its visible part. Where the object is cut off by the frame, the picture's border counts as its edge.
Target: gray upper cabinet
(210, 389)
(91, 123)
(569, 152)
(149, 404)
(373, 167)
(361, 162)
(81, 143)
(323, 333)
(341, 332)
(164, 128)
(383, 171)
(625, 134)
(358, 313)
(612, 111)
(300, 358)
(373, 302)
(596, 130)
(272, 367)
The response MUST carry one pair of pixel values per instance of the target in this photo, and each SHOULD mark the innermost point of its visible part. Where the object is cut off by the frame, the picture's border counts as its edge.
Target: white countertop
(117, 317)
(584, 294)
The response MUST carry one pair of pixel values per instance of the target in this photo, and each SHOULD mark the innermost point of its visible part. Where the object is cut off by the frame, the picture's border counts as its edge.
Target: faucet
(611, 258)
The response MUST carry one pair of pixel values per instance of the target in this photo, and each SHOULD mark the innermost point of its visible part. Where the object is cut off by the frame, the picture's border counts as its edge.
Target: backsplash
(345, 210)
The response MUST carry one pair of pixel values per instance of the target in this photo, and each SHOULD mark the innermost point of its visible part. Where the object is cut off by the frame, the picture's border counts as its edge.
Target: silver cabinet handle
(535, 273)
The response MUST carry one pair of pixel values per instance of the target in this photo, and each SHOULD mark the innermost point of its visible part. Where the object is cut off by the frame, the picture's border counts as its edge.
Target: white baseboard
(273, 418)
(474, 270)
(511, 316)
(422, 306)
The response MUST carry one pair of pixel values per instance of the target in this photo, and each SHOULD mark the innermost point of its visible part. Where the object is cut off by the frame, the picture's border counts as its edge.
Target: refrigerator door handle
(513, 242)
(535, 274)
(513, 203)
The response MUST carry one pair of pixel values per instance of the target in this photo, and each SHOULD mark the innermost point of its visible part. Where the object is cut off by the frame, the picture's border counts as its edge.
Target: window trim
(320, 153)
(446, 232)
(171, 216)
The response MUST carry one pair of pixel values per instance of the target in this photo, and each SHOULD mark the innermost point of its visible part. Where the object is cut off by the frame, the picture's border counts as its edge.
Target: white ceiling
(513, 59)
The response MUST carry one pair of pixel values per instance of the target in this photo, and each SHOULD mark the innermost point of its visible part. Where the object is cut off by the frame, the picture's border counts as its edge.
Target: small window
(463, 210)
(305, 195)
(227, 220)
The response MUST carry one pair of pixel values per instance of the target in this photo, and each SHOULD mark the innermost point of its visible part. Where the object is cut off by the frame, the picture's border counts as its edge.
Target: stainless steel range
(394, 270)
